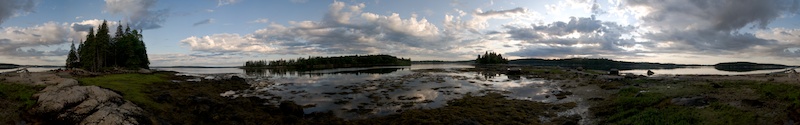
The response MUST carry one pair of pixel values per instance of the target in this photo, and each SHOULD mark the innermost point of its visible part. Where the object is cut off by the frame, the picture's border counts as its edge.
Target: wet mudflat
(358, 95)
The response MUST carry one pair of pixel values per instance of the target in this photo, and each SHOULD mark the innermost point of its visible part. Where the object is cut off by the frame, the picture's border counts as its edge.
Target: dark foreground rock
(67, 102)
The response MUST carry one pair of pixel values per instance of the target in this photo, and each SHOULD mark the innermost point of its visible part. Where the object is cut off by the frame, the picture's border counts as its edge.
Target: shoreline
(587, 92)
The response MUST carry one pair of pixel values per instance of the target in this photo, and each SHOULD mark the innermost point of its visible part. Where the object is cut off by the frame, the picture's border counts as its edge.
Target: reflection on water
(204, 70)
(700, 70)
(367, 92)
(293, 73)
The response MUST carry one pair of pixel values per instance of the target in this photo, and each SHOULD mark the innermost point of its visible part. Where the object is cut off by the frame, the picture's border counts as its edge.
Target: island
(597, 64)
(317, 63)
(8, 66)
(746, 66)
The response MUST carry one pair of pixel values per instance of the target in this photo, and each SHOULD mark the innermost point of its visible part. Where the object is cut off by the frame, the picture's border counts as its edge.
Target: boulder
(692, 101)
(145, 71)
(67, 101)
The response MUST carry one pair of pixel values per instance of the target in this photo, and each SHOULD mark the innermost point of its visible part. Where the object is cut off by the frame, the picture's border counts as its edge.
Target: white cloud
(260, 20)
(197, 59)
(140, 13)
(226, 43)
(344, 30)
(47, 43)
(586, 5)
(226, 2)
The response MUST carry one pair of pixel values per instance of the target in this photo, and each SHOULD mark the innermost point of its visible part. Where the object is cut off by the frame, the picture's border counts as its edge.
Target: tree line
(330, 62)
(100, 51)
(491, 58)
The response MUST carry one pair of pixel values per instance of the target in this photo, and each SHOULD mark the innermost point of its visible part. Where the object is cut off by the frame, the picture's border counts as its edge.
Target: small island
(746, 66)
(491, 58)
(316, 63)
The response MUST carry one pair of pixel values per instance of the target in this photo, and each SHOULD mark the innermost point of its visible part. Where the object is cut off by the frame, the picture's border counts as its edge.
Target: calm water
(204, 70)
(32, 69)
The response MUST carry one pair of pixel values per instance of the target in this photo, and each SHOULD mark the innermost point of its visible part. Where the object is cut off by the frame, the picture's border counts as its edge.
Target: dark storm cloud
(595, 37)
(82, 27)
(711, 26)
(582, 25)
(9, 8)
(710, 41)
(521, 33)
(721, 15)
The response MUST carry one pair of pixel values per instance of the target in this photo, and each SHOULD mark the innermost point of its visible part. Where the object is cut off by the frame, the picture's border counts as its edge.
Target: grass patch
(630, 106)
(782, 92)
(132, 86)
(15, 99)
(769, 90)
(19, 92)
(546, 70)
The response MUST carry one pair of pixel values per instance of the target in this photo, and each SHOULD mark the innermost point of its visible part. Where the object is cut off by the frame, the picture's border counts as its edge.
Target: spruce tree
(118, 47)
(103, 42)
(87, 52)
(72, 58)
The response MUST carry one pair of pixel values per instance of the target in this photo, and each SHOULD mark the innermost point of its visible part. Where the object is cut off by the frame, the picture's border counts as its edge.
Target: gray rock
(86, 104)
(692, 101)
(145, 71)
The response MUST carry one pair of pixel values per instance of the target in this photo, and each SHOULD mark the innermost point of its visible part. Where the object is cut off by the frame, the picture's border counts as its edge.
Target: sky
(230, 32)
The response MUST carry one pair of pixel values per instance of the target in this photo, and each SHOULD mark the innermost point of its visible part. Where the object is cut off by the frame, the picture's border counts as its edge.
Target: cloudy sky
(229, 32)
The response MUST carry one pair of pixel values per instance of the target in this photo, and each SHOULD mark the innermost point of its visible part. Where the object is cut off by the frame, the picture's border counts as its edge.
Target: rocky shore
(75, 97)
(63, 100)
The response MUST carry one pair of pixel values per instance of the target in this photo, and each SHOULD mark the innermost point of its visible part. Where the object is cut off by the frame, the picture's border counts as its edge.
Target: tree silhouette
(72, 58)
(100, 51)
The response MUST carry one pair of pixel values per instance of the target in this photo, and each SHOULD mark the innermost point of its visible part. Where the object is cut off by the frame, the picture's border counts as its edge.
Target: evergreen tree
(72, 58)
(102, 39)
(118, 47)
(87, 52)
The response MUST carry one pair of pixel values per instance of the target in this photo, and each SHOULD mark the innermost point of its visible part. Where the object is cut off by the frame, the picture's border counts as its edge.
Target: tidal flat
(433, 95)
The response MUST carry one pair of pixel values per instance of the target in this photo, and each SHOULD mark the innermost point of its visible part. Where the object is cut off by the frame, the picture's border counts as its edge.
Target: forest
(312, 63)
(100, 51)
